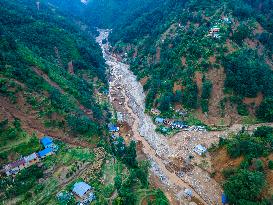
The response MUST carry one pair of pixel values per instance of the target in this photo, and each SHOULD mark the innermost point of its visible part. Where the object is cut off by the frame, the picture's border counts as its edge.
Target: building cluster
(26, 161)
(215, 29)
(174, 124)
(83, 193)
(115, 137)
(214, 32)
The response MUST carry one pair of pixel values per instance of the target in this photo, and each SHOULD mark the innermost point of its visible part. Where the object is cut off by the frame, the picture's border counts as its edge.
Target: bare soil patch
(212, 59)
(259, 29)
(183, 61)
(158, 53)
(257, 100)
(144, 80)
(220, 161)
(198, 79)
(177, 86)
(32, 123)
(70, 67)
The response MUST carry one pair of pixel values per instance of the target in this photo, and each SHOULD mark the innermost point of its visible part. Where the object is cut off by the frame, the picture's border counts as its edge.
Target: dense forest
(169, 42)
(247, 183)
(38, 42)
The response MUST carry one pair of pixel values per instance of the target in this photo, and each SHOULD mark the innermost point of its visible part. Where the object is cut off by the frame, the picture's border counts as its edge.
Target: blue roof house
(47, 141)
(81, 189)
(113, 128)
(46, 152)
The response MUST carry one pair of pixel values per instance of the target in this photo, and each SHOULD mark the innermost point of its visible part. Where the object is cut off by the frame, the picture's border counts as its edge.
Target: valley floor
(168, 156)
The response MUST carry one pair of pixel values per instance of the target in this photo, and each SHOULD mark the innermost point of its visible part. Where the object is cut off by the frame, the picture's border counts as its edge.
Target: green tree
(17, 124)
(244, 185)
(118, 182)
(270, 164)
(130, 155)
(142, 173)
(265, 110)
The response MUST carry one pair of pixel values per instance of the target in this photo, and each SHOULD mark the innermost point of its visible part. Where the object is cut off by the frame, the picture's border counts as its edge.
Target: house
(199, 149)
(47, 141)
(159, 120)
(113, 128)
(178, 124)
(15, 167)
(215, 29)
(216, 35)
(82, 190)
(45, 152)
(31, 159)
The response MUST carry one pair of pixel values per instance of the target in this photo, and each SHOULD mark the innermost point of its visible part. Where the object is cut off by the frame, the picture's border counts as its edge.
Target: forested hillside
(53, 83)
(214, 57)
(51, 72)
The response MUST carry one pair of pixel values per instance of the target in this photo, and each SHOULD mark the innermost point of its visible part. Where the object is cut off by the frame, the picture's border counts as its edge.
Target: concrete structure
(14, 167)
(224, 199)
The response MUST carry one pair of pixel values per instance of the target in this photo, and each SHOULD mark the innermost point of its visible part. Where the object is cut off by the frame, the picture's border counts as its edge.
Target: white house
(199, 149)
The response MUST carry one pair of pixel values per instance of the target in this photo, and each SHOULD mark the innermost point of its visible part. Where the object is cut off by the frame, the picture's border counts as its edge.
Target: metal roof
(46, 141)
(15, 164)
(80, 188)
(199, 149)
(45, 152)
(31, 157)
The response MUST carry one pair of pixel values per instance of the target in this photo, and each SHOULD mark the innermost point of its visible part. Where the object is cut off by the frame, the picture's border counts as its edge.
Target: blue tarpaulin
(224, 199)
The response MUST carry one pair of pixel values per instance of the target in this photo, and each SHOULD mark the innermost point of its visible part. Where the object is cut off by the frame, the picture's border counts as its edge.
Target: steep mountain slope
(211, 56)
(53, 82)
(51, 72)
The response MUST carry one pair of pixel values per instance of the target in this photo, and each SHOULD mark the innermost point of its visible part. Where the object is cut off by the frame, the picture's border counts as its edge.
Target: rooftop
(113, 128)
(45, 152)
(80, 188)
(199, 149)
(31, 157)
(46, 140)
(16, 163)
